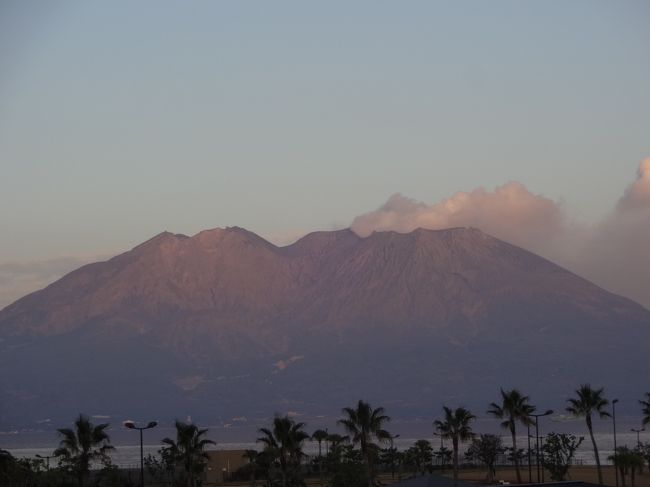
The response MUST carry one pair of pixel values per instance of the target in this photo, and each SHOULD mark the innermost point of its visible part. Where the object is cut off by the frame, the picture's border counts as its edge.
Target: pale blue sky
(121, 119)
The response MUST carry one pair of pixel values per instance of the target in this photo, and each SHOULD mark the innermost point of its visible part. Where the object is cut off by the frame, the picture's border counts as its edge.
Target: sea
(35, 444)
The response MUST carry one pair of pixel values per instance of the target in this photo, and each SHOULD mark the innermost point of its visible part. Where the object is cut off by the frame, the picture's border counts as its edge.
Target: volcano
(226, 325)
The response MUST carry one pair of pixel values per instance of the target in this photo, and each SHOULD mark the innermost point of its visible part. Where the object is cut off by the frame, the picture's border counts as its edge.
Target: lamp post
(327, 442)
(442, 445)
(638, 438)
(541, 439)
(537, 416)
(393, 453)
(614, 401)
(530, 470)
(131, 425)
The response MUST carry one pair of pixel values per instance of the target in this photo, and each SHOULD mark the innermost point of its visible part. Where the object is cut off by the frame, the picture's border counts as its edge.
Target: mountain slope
(308, 327)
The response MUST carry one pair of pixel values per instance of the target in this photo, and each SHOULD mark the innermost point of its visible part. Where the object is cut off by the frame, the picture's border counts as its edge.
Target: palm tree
(82, 445)
(335, 440)
(284, 443)
(646, 409)
(188, 449)
(320, 436)
(627, 461)
(422, 454)
(252, 456)
(587, 402)
(364, 424)
(7, 465)
(456, 427)
(514, 408)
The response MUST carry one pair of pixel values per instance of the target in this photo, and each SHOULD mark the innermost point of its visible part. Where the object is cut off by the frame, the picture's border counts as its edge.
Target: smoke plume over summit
(510, 212)
(637, 195)
(614, 253)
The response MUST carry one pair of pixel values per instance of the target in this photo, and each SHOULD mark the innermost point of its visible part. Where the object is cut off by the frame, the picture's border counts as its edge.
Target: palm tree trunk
(320, 463)
(369, 468)
(593, 442)
(366, 457)
(515, 455)
(283, 468)
(455, 443)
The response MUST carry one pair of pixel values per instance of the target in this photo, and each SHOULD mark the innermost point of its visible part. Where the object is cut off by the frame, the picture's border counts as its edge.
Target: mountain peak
(232, 234)
(456, 310)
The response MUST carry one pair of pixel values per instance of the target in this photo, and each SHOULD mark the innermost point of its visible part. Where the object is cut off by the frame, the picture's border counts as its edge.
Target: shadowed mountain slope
(226, 324)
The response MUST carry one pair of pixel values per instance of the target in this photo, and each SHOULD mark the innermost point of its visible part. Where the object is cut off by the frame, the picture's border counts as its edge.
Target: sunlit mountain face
(225, 324)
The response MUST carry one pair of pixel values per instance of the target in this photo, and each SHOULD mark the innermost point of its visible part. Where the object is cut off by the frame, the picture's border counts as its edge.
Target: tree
(284, 443)
(320, 436)
(8, 467)
(336, 440)
(627, 461)
(159, 469)
(456, 427)
(514, 408)
(420, 456)
(557, 453)
(365, 424)
(588, 402)
(486, 449)
(81, 446)
(337, 450)
(644, 451)
(264, 465)
(390, 457)
(444, 456)
(646, 409)
(188, 449)
(251, 456)
(347, 467)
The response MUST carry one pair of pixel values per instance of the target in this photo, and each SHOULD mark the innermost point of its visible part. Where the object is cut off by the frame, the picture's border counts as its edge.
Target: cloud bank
(614, 253)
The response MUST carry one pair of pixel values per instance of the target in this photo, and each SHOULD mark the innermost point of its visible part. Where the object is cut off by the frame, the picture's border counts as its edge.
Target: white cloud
(615, 253)
(637, 195)
(510, 212)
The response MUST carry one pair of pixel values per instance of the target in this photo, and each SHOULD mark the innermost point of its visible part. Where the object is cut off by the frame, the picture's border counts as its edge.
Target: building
(221, 464)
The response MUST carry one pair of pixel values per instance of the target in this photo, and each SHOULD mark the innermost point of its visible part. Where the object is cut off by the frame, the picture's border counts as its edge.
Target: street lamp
(393, 453)
(327, 442)
(530, 470)
(638, 439)
(537, 416)
(131, 425)
(541, 440)
(614, 401)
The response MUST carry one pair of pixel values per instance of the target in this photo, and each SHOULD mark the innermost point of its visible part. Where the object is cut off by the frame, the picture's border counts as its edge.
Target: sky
(119, 120)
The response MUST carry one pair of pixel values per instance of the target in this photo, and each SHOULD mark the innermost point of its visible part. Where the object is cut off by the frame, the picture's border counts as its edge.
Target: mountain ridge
(226, 302)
